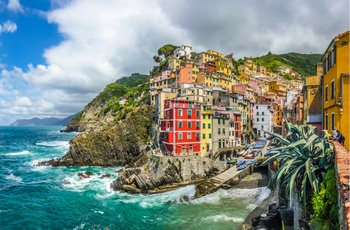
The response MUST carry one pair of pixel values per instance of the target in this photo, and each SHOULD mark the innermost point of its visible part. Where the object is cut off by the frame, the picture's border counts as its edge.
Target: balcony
(207, 112)
(221, 115)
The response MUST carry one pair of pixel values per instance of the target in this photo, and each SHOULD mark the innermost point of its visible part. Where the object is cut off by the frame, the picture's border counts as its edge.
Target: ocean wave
(257, 194)
(181, 195)
(53, 143)
(14, 178)
(94, 182)
(21, 153)
(222, 217)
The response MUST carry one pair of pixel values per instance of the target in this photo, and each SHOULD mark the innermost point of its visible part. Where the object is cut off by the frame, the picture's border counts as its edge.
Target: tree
(167, 50)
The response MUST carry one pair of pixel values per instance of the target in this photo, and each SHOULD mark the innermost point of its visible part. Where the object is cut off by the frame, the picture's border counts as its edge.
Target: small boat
(250, 162)
(240, 162)
(241, 167)
(231, 162)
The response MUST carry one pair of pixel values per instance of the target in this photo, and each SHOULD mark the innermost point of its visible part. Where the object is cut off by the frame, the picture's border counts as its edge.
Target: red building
(181, 127)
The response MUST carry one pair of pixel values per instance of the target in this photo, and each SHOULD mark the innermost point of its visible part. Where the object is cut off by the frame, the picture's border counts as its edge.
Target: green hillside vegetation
(134, 80)
(135, 88)
(304, 64)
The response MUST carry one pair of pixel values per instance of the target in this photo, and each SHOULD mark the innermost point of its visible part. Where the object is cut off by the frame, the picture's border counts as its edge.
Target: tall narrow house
(335, 86)
(181, 127)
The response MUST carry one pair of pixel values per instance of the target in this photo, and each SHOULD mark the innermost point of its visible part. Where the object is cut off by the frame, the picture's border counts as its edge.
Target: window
(189, 124)
(189, 112)
(180, 124)
(197, 113)
(262, 119)
(209, 135)
(219, 131)
(263, 113)
(197, 124)
(332, 121)
(262, 127)
(326, 93)
(332, 90)
(203, 116)
(180, 112)
(332, 57)
(223, 122)
(190, 105)
(203, 125)
(189, 136)
(197, 135)
(219, 121)
(203, 136)
(208, 125)
(257, 119)
(257, 113)
(326, 122)
(223, 131)
(256, 107)
(180, 136)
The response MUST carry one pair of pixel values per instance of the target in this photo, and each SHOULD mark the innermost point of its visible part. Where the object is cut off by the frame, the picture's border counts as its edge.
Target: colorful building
(312, 94)
(207, 129)
(181, 127)
(336, 86)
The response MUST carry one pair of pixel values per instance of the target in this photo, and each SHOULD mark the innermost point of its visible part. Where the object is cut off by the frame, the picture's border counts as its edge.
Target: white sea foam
(53, 143)
(222, 217)
(181, 195)
(22, 153)
(14, 178)
(33, 164)
(93, 182)
(81, 226)
(98, 212)
(257, 194)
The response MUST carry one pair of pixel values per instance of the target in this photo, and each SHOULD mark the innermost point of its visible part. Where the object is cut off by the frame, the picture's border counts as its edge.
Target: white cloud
(15, 5)
(8, 27)
(104, 41)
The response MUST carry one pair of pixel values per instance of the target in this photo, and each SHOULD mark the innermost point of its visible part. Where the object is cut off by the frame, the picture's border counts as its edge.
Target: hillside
(301, 63)
(106, 108)
(42, 122)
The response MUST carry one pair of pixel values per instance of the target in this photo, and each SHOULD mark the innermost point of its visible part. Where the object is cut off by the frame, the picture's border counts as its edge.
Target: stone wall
(342, 167)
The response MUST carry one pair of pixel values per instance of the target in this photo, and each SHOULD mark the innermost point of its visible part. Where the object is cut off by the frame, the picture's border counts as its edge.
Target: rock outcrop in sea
(154, 174)
(111, 145)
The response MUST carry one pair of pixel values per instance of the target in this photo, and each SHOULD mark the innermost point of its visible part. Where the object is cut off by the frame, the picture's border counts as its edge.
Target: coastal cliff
(115, 126)
(110, 146)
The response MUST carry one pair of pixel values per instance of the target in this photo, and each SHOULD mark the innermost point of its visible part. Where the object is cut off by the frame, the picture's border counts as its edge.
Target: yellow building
(207, 127)
(277, 114)
(244, 78)
(335, 86)
(215, 80)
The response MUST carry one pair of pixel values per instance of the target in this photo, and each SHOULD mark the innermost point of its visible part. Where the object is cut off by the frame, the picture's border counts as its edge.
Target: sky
(56, 56)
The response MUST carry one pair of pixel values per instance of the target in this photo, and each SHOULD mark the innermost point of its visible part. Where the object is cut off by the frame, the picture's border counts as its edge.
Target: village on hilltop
(203, 103)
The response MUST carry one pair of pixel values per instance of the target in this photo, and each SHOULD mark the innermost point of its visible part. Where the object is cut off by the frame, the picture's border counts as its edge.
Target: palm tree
(303, 160)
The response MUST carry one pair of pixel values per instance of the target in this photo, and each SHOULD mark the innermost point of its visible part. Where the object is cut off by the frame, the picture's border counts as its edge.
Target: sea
(44, 197)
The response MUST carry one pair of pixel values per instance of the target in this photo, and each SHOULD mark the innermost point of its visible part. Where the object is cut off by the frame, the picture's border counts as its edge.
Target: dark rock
(140, 181)
(105, 176)
(84, 175)
(131, 189)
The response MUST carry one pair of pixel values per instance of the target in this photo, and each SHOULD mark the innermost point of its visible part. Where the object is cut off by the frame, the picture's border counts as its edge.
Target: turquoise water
(56, 198)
